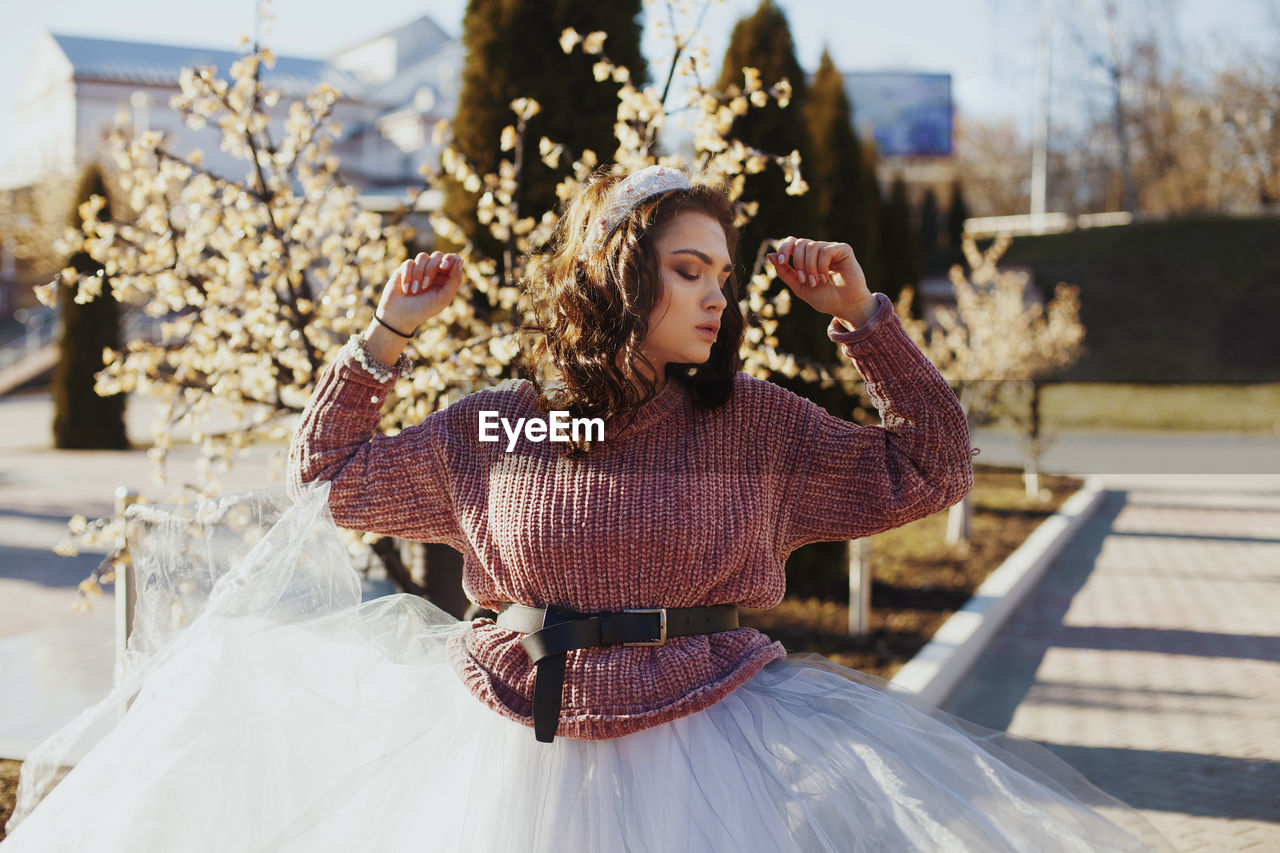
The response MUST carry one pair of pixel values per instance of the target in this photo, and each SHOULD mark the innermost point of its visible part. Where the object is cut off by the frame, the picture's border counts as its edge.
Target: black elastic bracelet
(391, 328)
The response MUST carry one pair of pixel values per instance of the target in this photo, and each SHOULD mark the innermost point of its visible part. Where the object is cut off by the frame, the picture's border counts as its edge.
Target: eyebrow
(702, 256)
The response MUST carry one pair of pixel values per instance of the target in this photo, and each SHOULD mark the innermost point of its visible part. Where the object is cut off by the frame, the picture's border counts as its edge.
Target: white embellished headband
(629, 192)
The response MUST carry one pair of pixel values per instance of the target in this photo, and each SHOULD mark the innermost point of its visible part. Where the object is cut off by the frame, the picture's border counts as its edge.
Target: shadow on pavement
(42, 566)
(1184, 782)
(991, 692)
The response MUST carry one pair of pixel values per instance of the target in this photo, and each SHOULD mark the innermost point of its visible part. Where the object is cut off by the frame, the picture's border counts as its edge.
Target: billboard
(908, 113)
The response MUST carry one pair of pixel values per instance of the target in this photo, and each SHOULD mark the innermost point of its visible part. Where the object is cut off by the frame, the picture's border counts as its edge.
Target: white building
(393, 88)
(412, 77)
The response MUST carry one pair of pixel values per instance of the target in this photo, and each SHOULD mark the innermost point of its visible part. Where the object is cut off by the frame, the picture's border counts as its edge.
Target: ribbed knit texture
(678, 507)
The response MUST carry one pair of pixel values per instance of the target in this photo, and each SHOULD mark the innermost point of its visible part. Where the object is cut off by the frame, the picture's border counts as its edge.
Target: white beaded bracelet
(378, 370)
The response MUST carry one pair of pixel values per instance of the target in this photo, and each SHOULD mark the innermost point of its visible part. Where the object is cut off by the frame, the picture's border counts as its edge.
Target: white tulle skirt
(272, 711)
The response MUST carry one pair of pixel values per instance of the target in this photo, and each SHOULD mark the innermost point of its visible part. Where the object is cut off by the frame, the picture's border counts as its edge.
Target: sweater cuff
(838, 333)
(881, 348)
(356, 387)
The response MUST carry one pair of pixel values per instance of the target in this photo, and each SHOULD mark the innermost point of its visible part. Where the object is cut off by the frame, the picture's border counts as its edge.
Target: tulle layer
(288, 717)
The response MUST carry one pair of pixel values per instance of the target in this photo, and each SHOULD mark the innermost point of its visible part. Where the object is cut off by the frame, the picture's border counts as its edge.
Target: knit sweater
(677, 507)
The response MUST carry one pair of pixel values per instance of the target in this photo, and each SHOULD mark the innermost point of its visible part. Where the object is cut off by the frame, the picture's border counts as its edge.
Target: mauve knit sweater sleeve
(391, 485)
(852, 481)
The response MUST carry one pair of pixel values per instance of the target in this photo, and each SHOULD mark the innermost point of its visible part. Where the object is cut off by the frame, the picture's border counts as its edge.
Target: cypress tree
(929, 223)
(899, 243)
(841, 175)
(82, 420)
(834, 171)
(957, 213)
(870, 214)
(763, 41)
(513, 51)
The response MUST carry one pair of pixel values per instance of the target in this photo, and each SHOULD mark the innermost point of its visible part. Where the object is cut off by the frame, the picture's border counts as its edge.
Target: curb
(936, 669)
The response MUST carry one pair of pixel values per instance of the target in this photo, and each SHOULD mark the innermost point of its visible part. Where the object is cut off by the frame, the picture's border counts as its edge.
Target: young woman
(614, 703)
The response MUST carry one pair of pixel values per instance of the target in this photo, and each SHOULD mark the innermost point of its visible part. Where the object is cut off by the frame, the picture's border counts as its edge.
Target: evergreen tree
(841, 174)
(763, 41)
(899, 243)
(957, 213)
(870, 214)
(929, 223)
(513, 51)
(82, 420)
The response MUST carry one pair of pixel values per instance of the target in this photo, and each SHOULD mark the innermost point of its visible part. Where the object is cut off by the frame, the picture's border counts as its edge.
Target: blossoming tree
(997, 344)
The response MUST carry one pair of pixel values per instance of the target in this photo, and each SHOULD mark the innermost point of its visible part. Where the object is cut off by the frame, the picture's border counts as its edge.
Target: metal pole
(1039, 154)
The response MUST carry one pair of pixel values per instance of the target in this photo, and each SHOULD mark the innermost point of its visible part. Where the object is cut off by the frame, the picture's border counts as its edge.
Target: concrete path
(54, 660)
(1148, 657)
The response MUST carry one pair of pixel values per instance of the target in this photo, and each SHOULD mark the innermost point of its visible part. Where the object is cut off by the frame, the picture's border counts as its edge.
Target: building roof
(417, 38)
(162, 64)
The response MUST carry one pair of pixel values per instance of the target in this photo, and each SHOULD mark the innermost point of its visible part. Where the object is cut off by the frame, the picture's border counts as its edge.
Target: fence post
(859, 551)
(126, 590)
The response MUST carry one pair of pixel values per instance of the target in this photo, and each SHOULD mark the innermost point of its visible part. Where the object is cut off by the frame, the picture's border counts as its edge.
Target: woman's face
(694, 262)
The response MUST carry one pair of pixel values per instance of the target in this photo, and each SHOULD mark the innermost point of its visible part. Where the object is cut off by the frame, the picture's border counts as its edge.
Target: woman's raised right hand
(420, 288)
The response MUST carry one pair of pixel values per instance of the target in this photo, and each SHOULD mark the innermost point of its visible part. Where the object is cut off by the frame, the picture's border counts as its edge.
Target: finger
(422, 267)
(785, 249)
(409, 275)
(803, 262)
(451, 268)
(815, 269)
(452, 264)
(429, 270)
(420, 277)
(398, 279)
(783, 270)
(843, 255)
(826, 252)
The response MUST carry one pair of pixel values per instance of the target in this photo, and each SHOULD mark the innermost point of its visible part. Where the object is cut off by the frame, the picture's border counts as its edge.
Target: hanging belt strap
(551, 632)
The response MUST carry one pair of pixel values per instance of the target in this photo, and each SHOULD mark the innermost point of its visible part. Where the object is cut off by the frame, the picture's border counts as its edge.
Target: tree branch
(389, 554)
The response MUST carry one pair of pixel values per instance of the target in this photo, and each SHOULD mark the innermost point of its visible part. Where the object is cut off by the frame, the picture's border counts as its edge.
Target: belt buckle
(662, 626)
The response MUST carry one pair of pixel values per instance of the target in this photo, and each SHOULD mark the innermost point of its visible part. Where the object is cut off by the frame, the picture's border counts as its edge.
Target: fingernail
(782, 256)
(804, 279)
(446, 262)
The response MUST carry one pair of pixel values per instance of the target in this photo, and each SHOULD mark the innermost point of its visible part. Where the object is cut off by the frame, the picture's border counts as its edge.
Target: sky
(988, 46)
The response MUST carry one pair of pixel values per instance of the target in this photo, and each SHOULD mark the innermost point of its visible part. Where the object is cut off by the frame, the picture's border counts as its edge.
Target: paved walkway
(55, 661)
(1149, 657)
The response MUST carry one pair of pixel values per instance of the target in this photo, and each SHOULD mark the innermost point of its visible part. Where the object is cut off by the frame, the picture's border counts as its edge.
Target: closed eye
(688, 276)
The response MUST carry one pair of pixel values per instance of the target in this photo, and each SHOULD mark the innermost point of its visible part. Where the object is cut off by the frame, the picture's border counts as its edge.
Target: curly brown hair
(591, 304)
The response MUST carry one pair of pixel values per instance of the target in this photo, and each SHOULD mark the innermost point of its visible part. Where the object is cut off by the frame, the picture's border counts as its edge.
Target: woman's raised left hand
(825, 275)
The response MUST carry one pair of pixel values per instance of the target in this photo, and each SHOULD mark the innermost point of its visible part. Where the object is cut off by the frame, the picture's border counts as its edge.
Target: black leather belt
(553, 631)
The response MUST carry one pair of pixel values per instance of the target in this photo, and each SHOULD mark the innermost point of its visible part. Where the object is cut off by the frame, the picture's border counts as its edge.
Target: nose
(715, 300)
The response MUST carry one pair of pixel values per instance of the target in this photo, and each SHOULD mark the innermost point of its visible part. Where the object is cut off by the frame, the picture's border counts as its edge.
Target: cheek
(661, 307)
